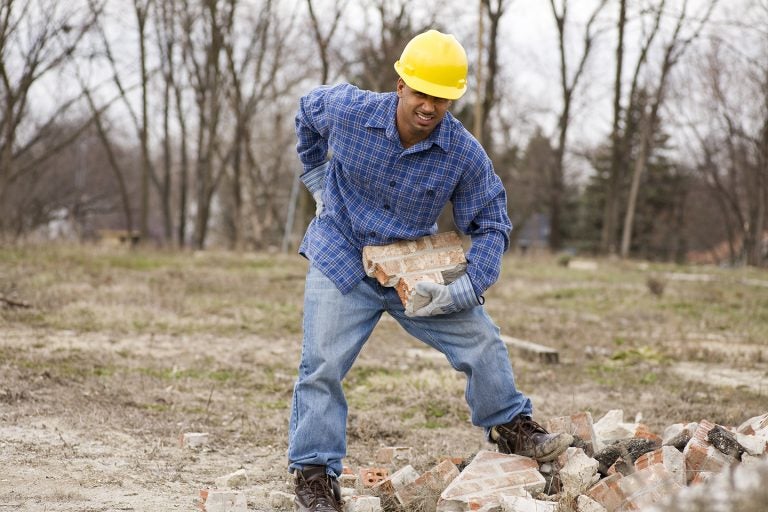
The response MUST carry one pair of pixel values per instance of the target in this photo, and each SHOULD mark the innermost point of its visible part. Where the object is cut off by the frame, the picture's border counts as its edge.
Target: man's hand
(431, 299)
(318, 197)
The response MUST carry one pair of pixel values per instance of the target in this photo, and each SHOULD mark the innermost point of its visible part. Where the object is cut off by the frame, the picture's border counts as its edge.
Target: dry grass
(139, 346)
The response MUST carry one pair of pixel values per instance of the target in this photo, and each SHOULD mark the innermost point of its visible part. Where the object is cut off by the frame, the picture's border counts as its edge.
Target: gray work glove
(438, 299)
(318, 196)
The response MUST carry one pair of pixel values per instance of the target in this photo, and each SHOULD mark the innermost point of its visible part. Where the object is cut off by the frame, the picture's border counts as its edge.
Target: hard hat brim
(436, 90)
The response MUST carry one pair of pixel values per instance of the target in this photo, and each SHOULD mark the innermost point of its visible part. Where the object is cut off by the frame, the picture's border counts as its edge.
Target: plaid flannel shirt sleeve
(312, 129)
(480, 211)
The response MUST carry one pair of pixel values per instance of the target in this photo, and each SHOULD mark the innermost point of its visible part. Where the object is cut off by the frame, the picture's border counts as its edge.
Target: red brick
(433, 481)
(395, 482)
(753, 425)
(369, 477)
(701, 456)
(647, 486)
(487, 477)
(394, 454)
(404, 263)
(607, 492)
(579, 425)
(644, 432)
(406, 284)
(670, 457)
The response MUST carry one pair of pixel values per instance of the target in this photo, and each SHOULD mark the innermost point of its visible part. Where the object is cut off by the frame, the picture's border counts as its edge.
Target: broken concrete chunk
(214, 500)
(576, 471)
(586, 504)
(233, 480)
(526, 504)
(612, 427)
(362, 504)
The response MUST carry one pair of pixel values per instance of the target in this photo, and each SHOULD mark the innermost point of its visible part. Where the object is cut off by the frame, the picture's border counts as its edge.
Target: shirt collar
(384, 118)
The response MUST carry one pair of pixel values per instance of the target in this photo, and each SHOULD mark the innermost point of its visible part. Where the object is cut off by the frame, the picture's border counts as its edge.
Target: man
(395, 160)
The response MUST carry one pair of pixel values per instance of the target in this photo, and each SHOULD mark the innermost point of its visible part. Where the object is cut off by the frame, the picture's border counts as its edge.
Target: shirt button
(430, 192)
(372, 234)
(386, 207)
(392, 183)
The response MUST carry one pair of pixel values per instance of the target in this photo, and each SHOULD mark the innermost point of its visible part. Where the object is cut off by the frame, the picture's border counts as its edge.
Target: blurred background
(637, 129)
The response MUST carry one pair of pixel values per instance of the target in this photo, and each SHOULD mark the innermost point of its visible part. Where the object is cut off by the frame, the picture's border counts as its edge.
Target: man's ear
(400, 87)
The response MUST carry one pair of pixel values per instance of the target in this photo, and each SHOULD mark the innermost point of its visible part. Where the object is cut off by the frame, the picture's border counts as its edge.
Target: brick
(526, 504)
(438, 258)
(753, 444)
(348, 478)
(672, 459)
(753, 425)
(362, 504)
(579, 425)
(399, 479)
(395, 455)
(194, 439)
(432, 482)
(643, 432)
(407, 284)
(489, 476)
(701, 456)
(215, 500)
(607, 492)
(586, 504)
(577, 470)
(368, 477)
(647, 486)
(233, 480)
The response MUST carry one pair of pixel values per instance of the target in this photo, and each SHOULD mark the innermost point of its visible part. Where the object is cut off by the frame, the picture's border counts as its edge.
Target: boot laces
(321, 493)
(521, 432)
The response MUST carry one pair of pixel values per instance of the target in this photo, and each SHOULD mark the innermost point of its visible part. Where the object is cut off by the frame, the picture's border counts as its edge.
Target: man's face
(418, 113)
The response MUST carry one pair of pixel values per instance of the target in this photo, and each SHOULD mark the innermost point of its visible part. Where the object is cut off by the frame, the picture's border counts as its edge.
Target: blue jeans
(337, 326)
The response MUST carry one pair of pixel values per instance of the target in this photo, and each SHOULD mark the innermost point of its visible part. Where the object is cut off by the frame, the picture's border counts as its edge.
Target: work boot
(523, 436)
(316, 491)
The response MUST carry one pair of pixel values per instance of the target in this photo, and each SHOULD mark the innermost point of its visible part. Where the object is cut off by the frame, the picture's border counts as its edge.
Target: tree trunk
(612, 196)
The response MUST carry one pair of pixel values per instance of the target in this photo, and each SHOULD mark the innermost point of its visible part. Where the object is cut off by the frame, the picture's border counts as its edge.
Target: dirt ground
(108, 356)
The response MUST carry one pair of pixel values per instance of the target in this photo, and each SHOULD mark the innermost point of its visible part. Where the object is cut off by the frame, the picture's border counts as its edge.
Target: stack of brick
(635, 470)
(438, 258)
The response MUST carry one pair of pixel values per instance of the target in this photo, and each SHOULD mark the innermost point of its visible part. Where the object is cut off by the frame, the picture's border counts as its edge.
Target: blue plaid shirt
(375, 192)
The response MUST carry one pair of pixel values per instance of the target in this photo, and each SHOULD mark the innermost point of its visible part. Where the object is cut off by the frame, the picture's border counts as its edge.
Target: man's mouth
(424, 117)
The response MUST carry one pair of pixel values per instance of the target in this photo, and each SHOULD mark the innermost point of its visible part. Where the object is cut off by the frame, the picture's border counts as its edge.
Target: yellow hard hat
(434, 63)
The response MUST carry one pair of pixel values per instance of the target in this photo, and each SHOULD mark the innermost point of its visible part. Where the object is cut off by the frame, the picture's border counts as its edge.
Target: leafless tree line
(174, 118)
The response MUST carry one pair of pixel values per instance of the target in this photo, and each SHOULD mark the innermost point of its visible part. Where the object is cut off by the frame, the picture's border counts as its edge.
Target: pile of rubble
(612, 465)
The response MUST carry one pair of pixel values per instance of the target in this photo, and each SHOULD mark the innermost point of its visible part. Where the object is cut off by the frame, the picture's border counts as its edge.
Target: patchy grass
(146, 344)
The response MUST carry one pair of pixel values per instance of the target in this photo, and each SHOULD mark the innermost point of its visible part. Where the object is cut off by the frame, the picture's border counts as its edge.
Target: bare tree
(673, 51)
(611, 212)
(205, 28)
(254, 82)
(495, 10)
(36, 39)
(568, 84)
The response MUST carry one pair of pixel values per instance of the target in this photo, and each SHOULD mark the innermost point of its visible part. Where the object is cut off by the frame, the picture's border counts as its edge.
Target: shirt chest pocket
(419, 204)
